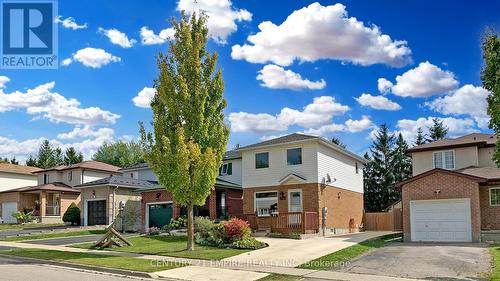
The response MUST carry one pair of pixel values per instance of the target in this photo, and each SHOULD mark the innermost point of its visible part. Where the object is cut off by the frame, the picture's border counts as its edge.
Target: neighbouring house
(158, 206)
(454, 194)
(288, 182)
(15, 176)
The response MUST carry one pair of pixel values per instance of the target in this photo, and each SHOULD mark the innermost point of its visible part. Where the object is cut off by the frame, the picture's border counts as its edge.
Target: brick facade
(343, 205)
(451, 187)
(490, 215)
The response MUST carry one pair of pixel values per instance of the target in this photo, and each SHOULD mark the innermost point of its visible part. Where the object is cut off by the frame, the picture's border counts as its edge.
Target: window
(70, 176)
(45, 178)
(357, 168)
(226, 169)
(262, 160)
(132, 175)
(295, 200)
(266, 203)
(495, 196)
(294, 156)
(444, 159)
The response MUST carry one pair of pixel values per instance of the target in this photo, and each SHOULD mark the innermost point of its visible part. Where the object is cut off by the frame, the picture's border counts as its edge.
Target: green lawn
(51, 235)
(8, 226)
(280, 277)
(336, 259)
(495, 255)
(135, 264)
(172, 246)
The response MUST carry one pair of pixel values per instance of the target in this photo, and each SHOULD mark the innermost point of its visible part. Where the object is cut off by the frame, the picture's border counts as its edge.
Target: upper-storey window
(262, 160)
(70, 176)
(294, 156)
(45, 178)
(444, 159)
(226, 169)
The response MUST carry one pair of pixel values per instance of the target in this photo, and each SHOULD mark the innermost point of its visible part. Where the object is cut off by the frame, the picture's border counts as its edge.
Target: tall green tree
(189, 134)
(490, 75)
(337, 141)
(71, 156)
(31, 161)
(401, 163)
(384, 161)
(420, 138)
(437, 131)
(46, 156)
(14, 161)
(120, 153)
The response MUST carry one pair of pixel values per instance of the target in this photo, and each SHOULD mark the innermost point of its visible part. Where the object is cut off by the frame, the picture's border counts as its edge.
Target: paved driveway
(425, 260)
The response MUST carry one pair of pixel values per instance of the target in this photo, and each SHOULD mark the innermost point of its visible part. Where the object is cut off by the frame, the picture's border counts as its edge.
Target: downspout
(114, 203)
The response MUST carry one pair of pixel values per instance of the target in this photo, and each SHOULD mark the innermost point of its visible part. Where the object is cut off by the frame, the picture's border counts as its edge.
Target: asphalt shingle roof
(54, 186)
(18, 169)
(120, 181)
(475, 139)
(93, 165)
(284, 139)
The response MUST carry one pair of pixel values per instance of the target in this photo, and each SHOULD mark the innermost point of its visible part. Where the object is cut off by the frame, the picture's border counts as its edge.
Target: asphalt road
(17, 270)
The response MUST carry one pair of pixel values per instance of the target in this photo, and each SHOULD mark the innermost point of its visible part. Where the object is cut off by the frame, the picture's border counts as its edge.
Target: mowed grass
(495, 256)
(51, 235)
(128, 263)
(8, 226)
(172, 246)
(280, 277)
(339, 258)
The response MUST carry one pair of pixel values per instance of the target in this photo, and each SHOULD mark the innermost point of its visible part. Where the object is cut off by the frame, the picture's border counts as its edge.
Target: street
(17, 270)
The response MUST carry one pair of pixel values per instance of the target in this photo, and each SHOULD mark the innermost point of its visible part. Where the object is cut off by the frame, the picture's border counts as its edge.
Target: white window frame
(226, 165)
(268, 160)
(489, 192)
(301, 158)
(443, 158)
(301, 199)
(255, 201)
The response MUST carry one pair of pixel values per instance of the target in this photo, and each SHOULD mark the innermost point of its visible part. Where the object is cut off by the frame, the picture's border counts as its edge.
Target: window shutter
(229, 168)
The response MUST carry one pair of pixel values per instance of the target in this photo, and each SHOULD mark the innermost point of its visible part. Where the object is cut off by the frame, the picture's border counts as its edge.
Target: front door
(96, 212)
(159, 214)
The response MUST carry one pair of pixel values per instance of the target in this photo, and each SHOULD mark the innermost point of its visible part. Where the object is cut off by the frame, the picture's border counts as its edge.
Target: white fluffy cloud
(148, 37)
(384, 85)
(456, 126)
(3, 80)
(276, 77)
(42, 102)
(222, 16)
(143, 98)
(316, 114)
(425, 80)
(117, 37)
(355, 126)
(92, 57)
(351, 126)
(86, 132)
(467, 100)
(322, 32)
(377, 102)
(70, 23)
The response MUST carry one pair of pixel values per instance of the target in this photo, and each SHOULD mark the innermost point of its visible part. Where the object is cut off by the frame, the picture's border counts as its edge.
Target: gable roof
(120, 181)
(92, 165)
(489, 173)
(475, 139)
(292, 176)
(18, 169)
(439, 170)
(54, 186)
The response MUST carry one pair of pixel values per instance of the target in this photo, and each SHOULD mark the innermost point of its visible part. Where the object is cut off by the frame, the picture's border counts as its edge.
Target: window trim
(45, 178)
(268, 160)
(286, 156)
(255, 201)
(225, 173)
(489, 195)
(301, 199)
(443, 158)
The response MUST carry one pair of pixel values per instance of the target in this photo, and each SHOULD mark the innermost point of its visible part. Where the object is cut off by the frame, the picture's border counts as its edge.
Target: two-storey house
(301, 183)
(158, 206)
(454, 194)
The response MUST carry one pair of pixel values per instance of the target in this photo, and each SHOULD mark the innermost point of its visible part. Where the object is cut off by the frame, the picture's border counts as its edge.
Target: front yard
(172, 246)
(128, 263)
(495, 256)
(51, 235)
(8, 226)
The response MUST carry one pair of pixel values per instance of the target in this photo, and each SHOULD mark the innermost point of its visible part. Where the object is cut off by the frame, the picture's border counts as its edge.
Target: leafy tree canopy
(120, 153)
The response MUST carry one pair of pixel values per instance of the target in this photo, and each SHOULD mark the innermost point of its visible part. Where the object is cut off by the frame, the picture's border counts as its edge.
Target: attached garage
(7, 209)
(96, 212)
(446, 220)
(158, 214)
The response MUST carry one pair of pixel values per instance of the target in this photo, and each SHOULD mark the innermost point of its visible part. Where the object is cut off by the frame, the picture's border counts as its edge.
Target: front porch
(292, 222)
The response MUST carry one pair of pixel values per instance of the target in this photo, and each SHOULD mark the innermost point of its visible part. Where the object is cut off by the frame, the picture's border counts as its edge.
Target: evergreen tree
(46, 157)
(490, 75)
(420, 139)
(31, 161)
(58, 156)
(338, 142)
(437, 131)
(72, 157)
(189, 134)
(401, 163)
(14, 161)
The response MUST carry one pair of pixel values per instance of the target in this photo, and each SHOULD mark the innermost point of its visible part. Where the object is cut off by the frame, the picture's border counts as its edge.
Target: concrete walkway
(246, 267)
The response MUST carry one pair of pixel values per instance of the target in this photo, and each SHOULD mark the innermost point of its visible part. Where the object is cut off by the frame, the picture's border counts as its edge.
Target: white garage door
(441, 220)
(7, 209)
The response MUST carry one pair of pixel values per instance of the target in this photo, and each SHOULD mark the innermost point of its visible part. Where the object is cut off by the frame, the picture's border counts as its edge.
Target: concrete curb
(87, 267)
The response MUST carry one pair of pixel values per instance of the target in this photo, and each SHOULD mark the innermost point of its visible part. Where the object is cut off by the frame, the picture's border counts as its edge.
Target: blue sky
(307, 66)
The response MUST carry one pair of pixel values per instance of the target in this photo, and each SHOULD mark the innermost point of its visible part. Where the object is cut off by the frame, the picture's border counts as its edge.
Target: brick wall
(156, 196)
(451, 187)
(234, 201)
(490, 215)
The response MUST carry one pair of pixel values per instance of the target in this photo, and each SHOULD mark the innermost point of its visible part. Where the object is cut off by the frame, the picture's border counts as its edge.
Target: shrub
(216, 237)
(236, 229)
(72, 215)
(177, 223)
(24, 217)
(248, 242)
(203, 225)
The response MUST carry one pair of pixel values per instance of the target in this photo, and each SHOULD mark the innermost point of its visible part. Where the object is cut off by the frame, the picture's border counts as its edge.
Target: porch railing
(293, 222)
(52, 211)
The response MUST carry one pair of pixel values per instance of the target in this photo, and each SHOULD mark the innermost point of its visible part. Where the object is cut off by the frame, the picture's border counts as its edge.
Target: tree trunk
(190, 228)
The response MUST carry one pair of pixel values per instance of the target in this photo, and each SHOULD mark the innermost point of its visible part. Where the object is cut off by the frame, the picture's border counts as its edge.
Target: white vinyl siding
(444, 159)
(12, 180)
